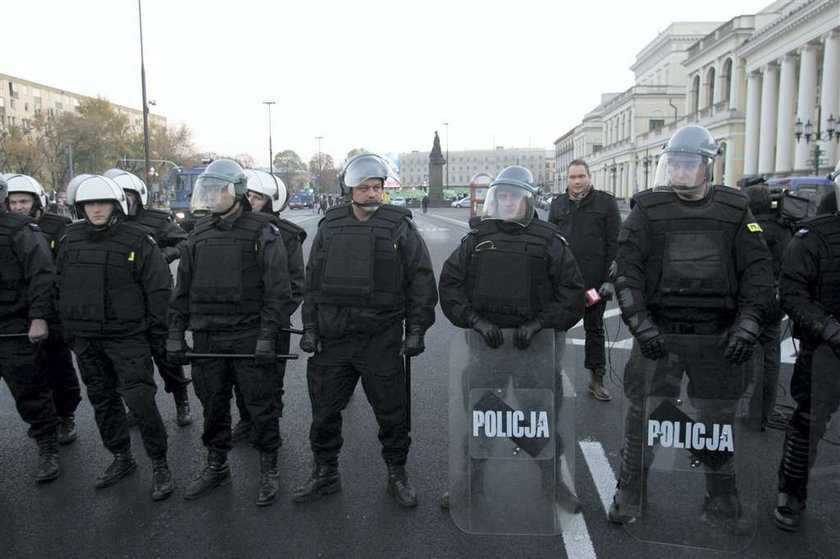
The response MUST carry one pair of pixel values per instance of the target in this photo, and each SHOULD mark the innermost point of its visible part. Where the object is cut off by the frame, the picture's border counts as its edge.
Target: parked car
(462, 203)
(397, 201)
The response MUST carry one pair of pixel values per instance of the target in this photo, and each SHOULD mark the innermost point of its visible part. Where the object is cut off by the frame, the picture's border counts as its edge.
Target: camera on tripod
(778, 200)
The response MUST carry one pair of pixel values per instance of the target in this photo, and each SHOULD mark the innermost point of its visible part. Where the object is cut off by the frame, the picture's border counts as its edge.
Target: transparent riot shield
(685, 456)
(822, 516)
(511, 437)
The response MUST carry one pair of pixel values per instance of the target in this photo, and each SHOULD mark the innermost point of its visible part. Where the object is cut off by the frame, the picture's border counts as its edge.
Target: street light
(270, 150)
(447, 153)
(646, 162)
(145, 104)
(320, 171)
(818, 136)
(612, 170)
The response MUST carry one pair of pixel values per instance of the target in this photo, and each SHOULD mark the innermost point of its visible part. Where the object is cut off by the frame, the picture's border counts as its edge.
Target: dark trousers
(766, 374)
(214, 379)
(332, 375)
(117, 369)
(54, 359)
(593, 324)
(282, 345)
(172, 375)
(28, 386)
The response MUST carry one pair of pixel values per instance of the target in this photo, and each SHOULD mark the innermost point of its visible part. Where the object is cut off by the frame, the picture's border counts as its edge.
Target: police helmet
(511, 196)
(129, 181)
(17, 183)
(686, 162)
(269, 186)
(218, 187)
(95, 188)
(360, 168)
(73, 186)
(4, 188)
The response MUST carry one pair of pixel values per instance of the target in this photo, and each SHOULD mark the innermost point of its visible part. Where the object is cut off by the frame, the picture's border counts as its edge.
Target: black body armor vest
(53, 226)
(12, 283)
(828, 288)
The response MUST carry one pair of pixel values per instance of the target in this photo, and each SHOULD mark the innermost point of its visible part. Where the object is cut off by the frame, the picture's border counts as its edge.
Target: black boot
(67, 429)
(269, 479)
(788, 513)
(47, 459)
(722, 504)
(399, 486)
(182, 407)
(241, 431)
(627, 504)
(162, 486)
(215, 474)
(325, 480)
(123, 465)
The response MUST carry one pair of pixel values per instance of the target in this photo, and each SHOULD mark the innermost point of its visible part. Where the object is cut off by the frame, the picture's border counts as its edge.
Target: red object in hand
(592, 297)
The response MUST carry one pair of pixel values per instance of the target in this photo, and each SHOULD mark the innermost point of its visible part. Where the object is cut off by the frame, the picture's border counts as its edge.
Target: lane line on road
(576, 539)
(626, 343)
(608, 314)
(457, 222)
(602, 472)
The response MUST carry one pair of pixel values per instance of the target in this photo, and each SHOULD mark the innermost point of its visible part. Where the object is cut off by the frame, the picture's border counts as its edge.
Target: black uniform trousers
(332, 375)
(53, 357)
(213, 380)
(117, 369)
(282, 345)
(593, 325)
(172, 375)
(28, 386)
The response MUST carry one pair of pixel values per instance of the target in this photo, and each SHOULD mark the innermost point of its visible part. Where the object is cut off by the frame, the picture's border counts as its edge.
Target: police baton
(7, 336)
(407, 392)
(292, 331)
(279, 356)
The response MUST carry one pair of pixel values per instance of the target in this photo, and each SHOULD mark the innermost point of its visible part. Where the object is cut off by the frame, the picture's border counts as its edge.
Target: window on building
(710, 87)
(11, 121)
(655, 124)
(58, 106)
(695, 94)
(727, 79)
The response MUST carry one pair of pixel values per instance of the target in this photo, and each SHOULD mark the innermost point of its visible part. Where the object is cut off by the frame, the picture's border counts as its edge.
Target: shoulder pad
(293, 229)
(474, 221)
(161, 213)
(801, 233)
(151, 239)
(820, 220)
(562, 239)
(336, 212)
(652, 197)
(543, 229)
(33, 226)
(274, 229)
(730, 196)
(393, 213)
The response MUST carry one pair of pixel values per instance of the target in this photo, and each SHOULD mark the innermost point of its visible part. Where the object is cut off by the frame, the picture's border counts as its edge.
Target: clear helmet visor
(363, 168)
(212, 195)
(685, 173)
(509, 203)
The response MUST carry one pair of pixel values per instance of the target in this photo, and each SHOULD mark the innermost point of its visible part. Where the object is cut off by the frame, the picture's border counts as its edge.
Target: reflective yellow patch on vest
(754, 228)
(131, 256)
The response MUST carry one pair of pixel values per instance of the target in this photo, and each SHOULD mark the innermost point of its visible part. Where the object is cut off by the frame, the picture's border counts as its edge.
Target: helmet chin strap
(366, 206)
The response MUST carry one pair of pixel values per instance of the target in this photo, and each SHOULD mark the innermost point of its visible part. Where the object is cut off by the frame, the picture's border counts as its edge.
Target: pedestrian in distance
(233, 292)
(368, 273)
(114, 285)
(589, 219)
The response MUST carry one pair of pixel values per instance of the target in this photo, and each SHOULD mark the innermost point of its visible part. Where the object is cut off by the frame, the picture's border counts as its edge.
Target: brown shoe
(596, 386)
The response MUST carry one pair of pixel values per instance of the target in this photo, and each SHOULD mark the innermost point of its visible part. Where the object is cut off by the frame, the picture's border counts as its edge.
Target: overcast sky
(373, 74)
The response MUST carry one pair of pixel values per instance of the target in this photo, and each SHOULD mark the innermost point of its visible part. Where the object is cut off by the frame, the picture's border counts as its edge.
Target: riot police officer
(114, 285)
(233, 294)
(26, 302)
(266, 193)
(169, 237)
(527, 280)
(809, 288)
(53, 357)
(369, 270)
(692, 264)
(777, 233)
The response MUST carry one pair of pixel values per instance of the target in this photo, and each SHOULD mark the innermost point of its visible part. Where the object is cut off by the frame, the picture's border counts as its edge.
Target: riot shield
(684, 468)
(511, 437)
(822, 517)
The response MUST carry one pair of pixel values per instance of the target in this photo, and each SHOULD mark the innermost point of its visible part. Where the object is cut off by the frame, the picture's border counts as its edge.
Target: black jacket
(591, 226)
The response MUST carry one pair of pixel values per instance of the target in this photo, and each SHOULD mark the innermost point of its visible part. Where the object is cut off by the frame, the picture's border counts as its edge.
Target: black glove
(606, 291)
(490, 332)
(523, 334)
(741, 340)
(831, 335)
(177, 348)
(264, 351)
(413, 344)
(309, 342)
(171, 254)
(651, 341)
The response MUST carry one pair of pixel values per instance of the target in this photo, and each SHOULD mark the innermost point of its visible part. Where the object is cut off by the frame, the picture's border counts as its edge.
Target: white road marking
(626, 343)
(602, 473)
(576, 539)
(788, 351)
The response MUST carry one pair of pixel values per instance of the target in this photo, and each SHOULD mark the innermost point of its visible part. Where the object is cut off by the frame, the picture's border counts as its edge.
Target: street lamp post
(270, 150)
(320, 170)
(646, 162)
(447, 153)
(147, 171)
(818, 136)
(612, 169)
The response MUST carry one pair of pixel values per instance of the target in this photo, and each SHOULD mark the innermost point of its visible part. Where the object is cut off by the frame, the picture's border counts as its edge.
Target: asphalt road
(69, 518)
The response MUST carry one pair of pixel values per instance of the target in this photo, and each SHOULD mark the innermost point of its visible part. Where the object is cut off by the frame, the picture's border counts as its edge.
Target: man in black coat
(590, 221)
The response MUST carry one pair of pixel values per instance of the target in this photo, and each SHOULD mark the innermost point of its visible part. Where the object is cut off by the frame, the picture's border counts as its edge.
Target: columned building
(414, 166)
(792, 73)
